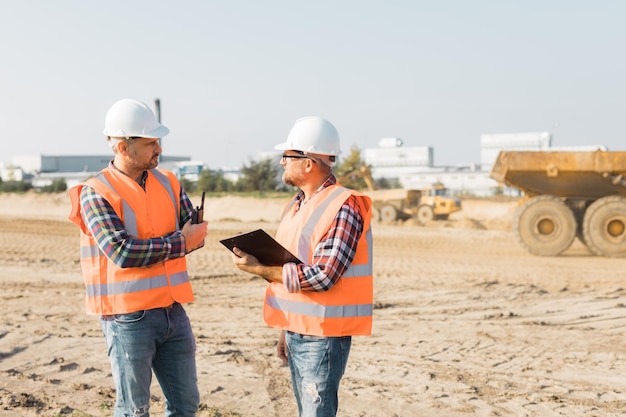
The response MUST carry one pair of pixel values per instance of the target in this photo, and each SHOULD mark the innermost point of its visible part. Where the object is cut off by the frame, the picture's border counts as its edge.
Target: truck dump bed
(569, 174)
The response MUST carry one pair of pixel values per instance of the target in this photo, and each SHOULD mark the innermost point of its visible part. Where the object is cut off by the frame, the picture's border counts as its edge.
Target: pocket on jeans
(130, 317)
(312, 338)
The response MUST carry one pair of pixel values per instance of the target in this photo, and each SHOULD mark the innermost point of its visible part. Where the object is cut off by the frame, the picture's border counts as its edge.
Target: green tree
(352, 171)
(385, 183)
(57, 186)
(259, 176)
(188, 185)
(16, 186)
(214, 181)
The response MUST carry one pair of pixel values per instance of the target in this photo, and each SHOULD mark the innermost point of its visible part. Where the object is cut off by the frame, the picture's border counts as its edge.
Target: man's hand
(194, 235)
(248, 263)
(281, 347)
(244, 261)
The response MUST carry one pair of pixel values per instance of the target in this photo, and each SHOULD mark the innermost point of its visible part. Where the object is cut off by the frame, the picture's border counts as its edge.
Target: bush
(57, 186)
(259, 176)
(15, 186)
(213, 181)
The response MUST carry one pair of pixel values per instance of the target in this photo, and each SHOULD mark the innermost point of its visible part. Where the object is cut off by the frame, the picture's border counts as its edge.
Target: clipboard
(262, 246)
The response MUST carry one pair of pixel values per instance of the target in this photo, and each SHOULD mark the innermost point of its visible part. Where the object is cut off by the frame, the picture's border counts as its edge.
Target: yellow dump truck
(423, 205)
(567, 194)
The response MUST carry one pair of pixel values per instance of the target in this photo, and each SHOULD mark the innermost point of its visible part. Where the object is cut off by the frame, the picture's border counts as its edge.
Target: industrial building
(43, 170)
(412, 166)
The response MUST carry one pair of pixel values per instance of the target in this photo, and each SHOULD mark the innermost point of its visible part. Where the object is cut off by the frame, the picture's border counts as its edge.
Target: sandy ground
(466, 323)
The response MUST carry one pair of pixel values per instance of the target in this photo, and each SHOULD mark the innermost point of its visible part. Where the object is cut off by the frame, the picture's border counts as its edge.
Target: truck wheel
(388, 214)
(604, 226)
(545, 226)
(424, 214)
(375, 214)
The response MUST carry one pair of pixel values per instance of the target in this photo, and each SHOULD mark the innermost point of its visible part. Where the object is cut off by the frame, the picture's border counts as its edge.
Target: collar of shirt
(300, 201)
(144, 176)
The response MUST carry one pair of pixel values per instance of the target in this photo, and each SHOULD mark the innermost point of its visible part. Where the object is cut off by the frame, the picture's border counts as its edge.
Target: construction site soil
(465, 322)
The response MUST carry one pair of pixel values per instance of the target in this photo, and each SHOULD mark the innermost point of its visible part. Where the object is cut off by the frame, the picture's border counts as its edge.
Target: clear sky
(233, 75)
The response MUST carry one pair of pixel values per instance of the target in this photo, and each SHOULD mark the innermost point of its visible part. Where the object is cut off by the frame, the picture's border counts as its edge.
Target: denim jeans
(159, 340)
(317, 365)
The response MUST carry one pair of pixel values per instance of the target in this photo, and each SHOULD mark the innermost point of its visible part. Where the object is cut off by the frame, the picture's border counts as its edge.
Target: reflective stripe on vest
(357, 310)
(362, 269)
(114, 290)
(130, 218)
(309, 227)
(125, 287)
(347, 307)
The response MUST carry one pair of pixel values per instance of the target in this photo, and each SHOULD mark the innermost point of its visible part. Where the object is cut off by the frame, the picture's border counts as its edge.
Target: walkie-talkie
(198, 214)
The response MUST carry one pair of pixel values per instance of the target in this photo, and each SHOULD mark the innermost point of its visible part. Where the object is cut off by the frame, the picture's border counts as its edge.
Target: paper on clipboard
(262, 246)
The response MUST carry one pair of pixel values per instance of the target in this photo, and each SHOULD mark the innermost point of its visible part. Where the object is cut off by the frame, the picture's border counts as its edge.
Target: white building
(460, 182)
(11, 173)
(388, 162)
(413, 166)
(43, 170)
(492, 144)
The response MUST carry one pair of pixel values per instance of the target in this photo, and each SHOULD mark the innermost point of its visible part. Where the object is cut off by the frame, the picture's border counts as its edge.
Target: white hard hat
(312, 135)
(132, 118)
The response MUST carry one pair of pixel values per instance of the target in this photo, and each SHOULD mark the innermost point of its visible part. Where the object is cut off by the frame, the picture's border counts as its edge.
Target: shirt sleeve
(114, 240)
(332, 256)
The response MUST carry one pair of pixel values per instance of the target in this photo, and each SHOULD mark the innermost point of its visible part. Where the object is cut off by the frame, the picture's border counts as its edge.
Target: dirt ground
(466, 323)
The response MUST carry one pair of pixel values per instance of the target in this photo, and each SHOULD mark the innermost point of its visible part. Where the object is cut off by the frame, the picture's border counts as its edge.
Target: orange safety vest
(146, 214)
(346, 308)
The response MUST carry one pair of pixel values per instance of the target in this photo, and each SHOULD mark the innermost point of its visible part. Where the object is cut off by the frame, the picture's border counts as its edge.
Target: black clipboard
(262, 246)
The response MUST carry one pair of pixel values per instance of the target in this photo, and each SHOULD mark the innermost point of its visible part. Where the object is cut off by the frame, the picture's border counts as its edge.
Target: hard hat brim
(288, 146)
(157, 133)
(282, 146)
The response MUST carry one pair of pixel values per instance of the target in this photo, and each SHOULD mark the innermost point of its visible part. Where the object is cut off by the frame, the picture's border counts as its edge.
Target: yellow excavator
(424, 205)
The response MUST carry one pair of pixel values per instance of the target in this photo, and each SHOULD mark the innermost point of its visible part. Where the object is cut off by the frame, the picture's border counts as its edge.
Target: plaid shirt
(333, 254)
(113, 239)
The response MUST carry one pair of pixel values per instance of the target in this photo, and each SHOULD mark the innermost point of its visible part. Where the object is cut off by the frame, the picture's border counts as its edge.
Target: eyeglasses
(285, 157)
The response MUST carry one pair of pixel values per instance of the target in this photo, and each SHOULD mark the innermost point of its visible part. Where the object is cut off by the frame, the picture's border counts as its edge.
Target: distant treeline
(259, 176)
(57, 185)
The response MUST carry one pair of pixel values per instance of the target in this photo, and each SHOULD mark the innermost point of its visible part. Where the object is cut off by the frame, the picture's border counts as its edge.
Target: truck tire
(424, 214)
(604, 226)
(375, 214)
(544, 225)
(388, 214)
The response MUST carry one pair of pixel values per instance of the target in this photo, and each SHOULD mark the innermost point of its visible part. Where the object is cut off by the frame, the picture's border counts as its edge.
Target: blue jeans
(159, 340)
(317, 365)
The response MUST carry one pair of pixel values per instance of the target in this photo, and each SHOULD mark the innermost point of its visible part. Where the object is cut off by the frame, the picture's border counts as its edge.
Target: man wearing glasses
(324, 301)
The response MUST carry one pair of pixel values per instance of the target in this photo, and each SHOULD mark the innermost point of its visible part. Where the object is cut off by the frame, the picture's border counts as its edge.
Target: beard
(141, 165)
(295, 178)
